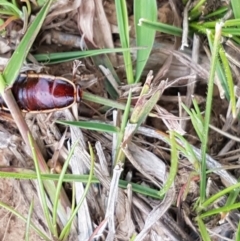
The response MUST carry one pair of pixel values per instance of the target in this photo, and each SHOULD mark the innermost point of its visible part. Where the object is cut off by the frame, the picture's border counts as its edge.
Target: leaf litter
(109, 212)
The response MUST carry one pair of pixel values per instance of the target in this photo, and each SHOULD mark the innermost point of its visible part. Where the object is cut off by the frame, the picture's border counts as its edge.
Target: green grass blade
(188, 152)
(208, 110)
(229, 79)
(59, 186)
(161, 27)
(218, 195)
(15, 63)
(120, 156)
(218, 13)
(203, 230)
(41, 191)
(122, 19)
(196, 119)
(96, 126)
(103, 101)
(173, 167)
(54, 58)
(126, 112)
(28, 174)
(144, 36)
(220, 210)
(235, 7)
(5, 12)
(28, 224)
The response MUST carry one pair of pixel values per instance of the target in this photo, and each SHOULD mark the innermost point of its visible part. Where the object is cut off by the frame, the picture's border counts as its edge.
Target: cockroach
(44, 93)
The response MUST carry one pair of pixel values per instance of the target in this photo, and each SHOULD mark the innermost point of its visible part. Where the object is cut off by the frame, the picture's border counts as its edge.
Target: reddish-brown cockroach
(46, 93)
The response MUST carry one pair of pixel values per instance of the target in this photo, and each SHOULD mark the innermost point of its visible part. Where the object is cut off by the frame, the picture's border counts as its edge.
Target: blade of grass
(28, 224)
(104, 101)
(203, 230)
(235, 7)
(173, 167)
(20, 173)
(54, 58)
(59, 186)
(161, 27)
(220, 71)
(144, 36)
(122, 19)
(96, 126)
(196, 119)
(208, 110)
(219, 13)
(238, 232)
(220, 210)
(218, 195)
(229, 79)
(41, 191)
(188, 152)
(120, 156)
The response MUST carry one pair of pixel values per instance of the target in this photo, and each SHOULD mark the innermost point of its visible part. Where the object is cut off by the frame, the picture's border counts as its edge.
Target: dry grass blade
(138, 156)
(112, 200)
(157, 213)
